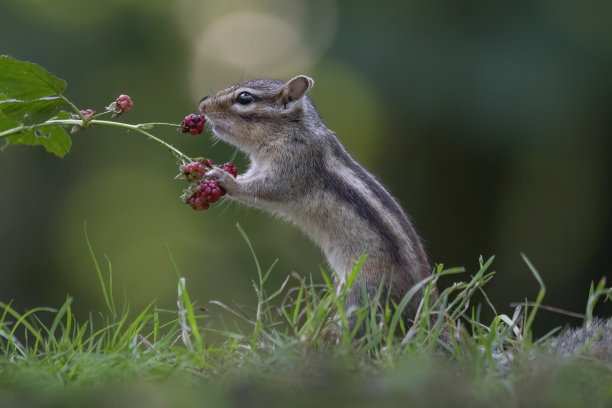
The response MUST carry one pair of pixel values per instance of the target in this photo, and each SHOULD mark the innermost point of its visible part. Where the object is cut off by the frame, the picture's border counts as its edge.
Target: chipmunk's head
(252, 115)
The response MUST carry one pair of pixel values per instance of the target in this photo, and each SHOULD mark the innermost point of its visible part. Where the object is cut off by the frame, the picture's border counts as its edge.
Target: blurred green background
(489, 121)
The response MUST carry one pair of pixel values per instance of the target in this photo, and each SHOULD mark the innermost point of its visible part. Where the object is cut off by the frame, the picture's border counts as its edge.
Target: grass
(295, 349)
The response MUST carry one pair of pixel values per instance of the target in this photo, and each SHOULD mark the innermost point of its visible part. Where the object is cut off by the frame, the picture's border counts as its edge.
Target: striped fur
(301, 172)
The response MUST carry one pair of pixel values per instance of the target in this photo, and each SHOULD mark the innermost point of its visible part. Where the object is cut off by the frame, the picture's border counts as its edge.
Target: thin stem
(14, 130)
(162, 124)
(77, 110)
(97, 115)
(138, 128)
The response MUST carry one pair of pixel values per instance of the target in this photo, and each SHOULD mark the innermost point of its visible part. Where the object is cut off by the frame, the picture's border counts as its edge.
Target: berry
(194, 171)
(230, 168)
(207, 163)
(124, 103)
(193, 124)
(198, 203)
(208, 192)
(87, 113)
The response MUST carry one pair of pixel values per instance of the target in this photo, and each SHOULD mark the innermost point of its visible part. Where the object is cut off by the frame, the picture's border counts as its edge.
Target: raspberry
(210, 190)
(207, 163)
(193, 124)
(198, 203)
(230, 168)
(124, 103)
(87, 113)
(194, 171)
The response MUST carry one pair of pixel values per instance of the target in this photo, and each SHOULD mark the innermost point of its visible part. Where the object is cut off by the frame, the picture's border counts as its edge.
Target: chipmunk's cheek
(220, 129)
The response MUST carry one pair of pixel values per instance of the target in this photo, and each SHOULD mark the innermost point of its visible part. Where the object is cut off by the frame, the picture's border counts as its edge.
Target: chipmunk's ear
(295, 88)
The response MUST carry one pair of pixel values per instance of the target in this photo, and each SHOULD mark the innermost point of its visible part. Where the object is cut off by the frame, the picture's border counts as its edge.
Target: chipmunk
(300, 171)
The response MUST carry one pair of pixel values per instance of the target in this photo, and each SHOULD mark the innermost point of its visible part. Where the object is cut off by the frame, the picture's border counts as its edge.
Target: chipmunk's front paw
(223, 178)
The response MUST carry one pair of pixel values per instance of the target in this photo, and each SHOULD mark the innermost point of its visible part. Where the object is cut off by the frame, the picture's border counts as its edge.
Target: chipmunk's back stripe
(378, 190)
(365, 210)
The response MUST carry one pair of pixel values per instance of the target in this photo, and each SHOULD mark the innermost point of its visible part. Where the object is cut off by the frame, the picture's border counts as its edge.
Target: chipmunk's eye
(244, 98)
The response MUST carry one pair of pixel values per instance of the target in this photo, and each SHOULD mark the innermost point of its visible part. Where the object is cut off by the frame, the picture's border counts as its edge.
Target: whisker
(226, 205)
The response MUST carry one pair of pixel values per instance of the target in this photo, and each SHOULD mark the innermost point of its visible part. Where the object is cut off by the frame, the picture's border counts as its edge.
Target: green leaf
(31, 112)
(7, 123)
(52, 137)
(27, 81)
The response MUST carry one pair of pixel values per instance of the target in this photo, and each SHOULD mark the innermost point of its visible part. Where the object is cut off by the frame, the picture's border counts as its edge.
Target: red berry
(194, 171)
(87, 113)
(198, 203)
(230, 168)
(193, 124)
(124, 104)
(207, 163)
(208, 192)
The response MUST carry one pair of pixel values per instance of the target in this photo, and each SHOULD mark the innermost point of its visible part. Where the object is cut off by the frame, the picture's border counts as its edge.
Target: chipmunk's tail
(594, 340)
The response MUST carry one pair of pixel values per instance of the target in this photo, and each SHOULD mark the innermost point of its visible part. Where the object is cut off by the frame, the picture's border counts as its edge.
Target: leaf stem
(140, 128)
(97, 115)
(162, 124)
(180, 156)
(17, 129)
(72, 105)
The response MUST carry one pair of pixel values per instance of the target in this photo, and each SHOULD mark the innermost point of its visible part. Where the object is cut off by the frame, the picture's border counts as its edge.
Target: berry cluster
(207, 163)
(208, 191)
(194, 171)
(230, 168)
(87, 113)
(193, 124)
(124, 102)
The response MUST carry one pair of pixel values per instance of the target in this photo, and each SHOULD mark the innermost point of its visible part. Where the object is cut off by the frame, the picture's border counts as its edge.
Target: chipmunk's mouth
(219, 130)
(214, 125)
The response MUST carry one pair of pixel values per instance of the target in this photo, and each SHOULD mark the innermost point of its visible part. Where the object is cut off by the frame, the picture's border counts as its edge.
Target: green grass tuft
(295, 348)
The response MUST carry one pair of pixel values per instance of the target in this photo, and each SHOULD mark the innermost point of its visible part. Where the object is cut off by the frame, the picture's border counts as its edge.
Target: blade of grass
(594, 296)
(296, 307)
(110, 284)
(402, 305)
(58, 316)
(21, 319)
(539, 298)
(184, 297)
(99, 272)
(246, 238)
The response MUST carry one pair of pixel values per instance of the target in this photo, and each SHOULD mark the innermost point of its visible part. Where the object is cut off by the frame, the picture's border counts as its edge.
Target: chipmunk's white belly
(341, 242)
